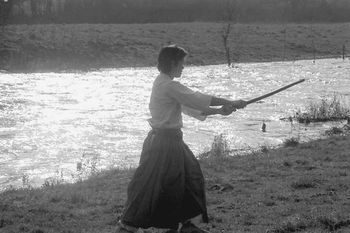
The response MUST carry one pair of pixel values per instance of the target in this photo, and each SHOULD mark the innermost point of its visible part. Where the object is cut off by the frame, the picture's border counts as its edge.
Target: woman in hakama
(167, 189)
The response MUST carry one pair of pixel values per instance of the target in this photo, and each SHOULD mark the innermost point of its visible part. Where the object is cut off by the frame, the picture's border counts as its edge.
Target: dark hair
(169, 54)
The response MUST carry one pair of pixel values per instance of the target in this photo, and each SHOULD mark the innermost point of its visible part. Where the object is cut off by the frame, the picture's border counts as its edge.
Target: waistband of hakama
(168, 133)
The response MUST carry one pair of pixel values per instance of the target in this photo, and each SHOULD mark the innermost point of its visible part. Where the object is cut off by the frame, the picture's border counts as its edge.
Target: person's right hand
(227, 110)
(239, 103)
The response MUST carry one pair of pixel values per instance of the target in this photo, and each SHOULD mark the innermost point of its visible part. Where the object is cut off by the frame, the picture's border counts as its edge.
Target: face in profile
(177, 68)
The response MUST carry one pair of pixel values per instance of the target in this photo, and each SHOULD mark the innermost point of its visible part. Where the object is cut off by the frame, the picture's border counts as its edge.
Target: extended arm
(224, 110)
(215, 101)
(201, 102)
(212, 111)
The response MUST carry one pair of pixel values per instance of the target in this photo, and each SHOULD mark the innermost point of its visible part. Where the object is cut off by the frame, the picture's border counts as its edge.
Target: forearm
(211, 111)
(216, 101)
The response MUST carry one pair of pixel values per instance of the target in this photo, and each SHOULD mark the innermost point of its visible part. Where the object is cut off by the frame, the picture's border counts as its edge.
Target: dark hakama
(168, 186)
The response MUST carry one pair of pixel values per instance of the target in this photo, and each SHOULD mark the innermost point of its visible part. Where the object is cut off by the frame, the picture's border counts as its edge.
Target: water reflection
(50, 121)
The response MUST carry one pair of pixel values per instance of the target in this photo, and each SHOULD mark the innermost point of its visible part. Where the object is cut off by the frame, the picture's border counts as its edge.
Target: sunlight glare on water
(50, 121)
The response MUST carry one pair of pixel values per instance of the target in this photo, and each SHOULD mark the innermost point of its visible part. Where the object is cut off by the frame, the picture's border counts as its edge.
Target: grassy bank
(65, 47)
(304, 188)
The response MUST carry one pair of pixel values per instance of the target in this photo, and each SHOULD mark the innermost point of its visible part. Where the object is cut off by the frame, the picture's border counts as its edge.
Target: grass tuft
(299, 223)
(219, 147)
(292, 224)
(287, 164)
(330, 109)
(304, 183)
(331, 223)
(264, 149)
(334, 131)
(291, 142)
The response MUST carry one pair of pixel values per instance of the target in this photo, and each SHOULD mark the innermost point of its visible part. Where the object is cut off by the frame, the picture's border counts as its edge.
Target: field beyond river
(60, 47)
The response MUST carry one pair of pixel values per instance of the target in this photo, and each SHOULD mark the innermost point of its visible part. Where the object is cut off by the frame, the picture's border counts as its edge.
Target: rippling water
(51, 121)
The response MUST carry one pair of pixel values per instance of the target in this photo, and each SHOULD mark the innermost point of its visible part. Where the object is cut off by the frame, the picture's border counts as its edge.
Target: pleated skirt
(168, 186)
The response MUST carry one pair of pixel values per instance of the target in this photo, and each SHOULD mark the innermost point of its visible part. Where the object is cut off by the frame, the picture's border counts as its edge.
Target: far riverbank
(36, 48)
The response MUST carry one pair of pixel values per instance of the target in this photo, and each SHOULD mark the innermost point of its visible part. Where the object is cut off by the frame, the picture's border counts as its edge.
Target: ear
(172, 65)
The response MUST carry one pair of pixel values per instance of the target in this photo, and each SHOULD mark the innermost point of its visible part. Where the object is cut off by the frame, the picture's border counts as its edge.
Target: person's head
(171, 60)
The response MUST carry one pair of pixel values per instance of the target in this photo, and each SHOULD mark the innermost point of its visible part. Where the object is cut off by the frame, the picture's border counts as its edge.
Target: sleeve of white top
(187, 97)
(193, 113)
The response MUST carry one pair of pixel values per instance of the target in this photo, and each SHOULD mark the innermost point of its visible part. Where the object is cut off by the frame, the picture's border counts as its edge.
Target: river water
(49, 122)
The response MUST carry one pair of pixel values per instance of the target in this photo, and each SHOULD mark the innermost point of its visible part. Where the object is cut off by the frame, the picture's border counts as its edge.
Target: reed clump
(331, 109)
(291, 142)
(219, 147)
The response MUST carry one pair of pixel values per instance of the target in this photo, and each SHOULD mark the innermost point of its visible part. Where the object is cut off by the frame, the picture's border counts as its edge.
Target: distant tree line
(153, 11)
(5, 10)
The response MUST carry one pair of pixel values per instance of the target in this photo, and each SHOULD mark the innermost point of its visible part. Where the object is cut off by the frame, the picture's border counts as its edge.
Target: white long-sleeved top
(170, 98)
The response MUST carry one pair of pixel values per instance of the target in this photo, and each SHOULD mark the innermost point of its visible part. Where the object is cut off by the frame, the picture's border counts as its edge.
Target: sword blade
(274, 92)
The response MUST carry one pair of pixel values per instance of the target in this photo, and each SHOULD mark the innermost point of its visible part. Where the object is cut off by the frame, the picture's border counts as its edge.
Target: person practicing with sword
(167, 189)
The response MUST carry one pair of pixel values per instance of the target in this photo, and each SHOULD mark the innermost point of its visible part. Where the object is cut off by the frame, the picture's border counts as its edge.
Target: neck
(168, 76)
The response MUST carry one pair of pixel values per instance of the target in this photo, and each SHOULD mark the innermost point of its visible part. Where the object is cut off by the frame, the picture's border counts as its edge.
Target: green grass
(304, 188)
(81, 207)
(54, 47)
